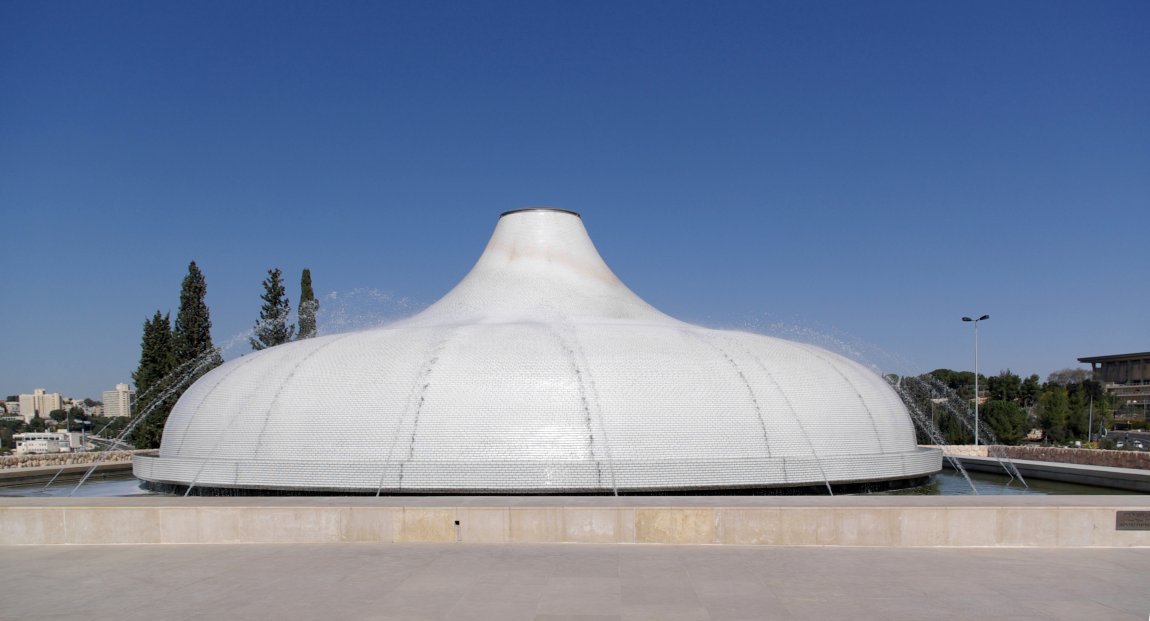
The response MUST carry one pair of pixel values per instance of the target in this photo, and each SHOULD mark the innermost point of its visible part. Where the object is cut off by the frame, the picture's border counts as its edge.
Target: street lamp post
(975, 322)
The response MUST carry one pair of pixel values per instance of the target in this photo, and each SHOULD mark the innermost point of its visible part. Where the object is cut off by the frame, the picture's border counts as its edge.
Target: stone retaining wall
(964, 450)
(1086, 457)
(70, 459)
(1138, 460)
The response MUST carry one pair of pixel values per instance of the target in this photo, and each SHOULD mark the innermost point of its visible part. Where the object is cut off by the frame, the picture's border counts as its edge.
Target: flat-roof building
(1127, 377)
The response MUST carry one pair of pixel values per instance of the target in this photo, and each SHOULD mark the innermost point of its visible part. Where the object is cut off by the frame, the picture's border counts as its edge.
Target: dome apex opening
(543, 209)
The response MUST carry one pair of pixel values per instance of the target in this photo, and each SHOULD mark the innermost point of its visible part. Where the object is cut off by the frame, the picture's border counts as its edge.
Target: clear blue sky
(859, 174)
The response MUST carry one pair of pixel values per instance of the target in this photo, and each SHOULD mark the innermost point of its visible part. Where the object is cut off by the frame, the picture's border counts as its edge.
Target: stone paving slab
(564, 582)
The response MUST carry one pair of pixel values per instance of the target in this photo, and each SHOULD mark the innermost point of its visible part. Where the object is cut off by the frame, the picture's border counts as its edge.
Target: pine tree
(308, 307)
(157, 361)
(1054, 412)
(273, 328)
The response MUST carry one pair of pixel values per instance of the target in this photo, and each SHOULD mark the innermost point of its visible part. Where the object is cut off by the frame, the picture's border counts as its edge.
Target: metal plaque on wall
(1132, 520)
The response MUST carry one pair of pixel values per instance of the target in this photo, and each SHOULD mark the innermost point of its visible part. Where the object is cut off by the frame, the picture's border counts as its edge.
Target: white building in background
(39, 403)
(118, 402)
(40, 443)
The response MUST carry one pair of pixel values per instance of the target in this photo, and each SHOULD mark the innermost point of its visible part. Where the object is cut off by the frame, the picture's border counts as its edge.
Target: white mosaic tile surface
(540, 371)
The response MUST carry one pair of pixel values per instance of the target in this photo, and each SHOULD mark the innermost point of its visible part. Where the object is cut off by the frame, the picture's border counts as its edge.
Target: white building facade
(118, 402)
(41, 443)
(39, 403)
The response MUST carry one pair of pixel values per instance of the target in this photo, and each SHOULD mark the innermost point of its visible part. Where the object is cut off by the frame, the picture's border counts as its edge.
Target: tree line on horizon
(1068, 406)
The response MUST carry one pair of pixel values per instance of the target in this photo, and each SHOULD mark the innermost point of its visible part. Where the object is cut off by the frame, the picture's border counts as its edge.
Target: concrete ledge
(1133, 479)
(890, 521)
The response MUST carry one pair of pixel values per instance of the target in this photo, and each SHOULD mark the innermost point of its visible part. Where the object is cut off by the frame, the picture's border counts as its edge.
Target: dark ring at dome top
(508, 213)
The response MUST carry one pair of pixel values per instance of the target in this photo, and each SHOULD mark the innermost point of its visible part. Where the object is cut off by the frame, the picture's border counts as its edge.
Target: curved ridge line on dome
(791, 408)
(418, 389)
(815, 351)
(599, 408)
(183, 374)
(279, 391)
(747, 384)
(223, 429)
(579, 374)
(543, 209)
(183, 435)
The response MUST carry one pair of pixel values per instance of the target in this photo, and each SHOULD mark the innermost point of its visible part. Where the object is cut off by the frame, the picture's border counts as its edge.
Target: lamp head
(967, 319)
(984, 317)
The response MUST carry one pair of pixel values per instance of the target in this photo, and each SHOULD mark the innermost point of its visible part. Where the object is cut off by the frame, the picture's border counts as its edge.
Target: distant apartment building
(39, 403)
(118, 402)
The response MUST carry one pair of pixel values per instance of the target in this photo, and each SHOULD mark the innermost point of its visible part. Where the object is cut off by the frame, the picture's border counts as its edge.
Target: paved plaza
(554, 582)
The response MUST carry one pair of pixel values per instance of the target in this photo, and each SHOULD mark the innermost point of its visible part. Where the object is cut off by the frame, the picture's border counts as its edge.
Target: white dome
(540, 372)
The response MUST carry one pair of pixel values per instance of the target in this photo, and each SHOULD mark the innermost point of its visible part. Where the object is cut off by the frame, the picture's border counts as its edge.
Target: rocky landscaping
(69, 459)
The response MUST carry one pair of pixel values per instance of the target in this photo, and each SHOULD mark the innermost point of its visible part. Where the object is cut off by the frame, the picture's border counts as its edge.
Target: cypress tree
(156, 355)
(308, 307)
(191, 356)
(157, 361)
(193, 329)
(273, 328)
